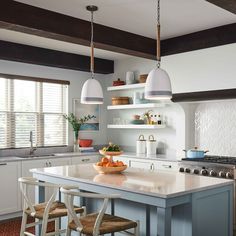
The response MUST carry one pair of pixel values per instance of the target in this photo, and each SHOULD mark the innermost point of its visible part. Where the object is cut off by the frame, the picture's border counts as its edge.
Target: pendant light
(158, 85)
(92, 91)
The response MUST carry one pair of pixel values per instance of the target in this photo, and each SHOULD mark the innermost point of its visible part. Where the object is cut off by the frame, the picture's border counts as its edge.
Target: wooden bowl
(110, 153)
(109, 170)
(143, 78)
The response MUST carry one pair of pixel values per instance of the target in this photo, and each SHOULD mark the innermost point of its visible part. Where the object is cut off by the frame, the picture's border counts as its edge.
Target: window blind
(32, 105)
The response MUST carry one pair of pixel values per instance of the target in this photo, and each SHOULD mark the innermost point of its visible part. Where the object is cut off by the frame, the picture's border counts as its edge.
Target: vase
(76, 140)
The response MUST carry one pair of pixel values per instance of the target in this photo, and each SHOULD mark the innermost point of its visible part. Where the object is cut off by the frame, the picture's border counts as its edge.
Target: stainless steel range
(212, 166)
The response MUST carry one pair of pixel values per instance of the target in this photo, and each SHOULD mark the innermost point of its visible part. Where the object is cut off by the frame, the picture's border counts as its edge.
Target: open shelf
(128, 86)
(136, 106)
(136, 126)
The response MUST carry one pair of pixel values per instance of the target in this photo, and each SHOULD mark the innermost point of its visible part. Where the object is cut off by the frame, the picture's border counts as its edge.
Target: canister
(151, 145)
(141, 145)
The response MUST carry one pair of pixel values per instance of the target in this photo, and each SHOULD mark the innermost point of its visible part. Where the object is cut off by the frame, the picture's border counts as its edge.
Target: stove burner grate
(214, 159)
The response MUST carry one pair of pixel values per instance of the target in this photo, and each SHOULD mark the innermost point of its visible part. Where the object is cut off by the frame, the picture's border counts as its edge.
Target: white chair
(95, 224)
(44, 212)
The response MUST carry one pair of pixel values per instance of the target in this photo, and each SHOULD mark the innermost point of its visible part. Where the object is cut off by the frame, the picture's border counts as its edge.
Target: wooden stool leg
(44, 226)
(137, 229)
(68, 231)
(57, 223)
(23, 224)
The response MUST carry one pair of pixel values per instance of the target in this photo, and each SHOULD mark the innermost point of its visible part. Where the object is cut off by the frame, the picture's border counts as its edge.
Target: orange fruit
(105, 160)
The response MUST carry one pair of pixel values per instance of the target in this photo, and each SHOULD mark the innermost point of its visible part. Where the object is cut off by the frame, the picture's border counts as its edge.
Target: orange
(99, 164)
(105, 160)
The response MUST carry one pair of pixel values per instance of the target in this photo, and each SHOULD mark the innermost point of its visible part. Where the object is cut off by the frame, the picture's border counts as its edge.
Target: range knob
(229, 175)
(222, 174)
(196, 171)
(204, 172)
(213, 173)
(187, 170)
(181, 169)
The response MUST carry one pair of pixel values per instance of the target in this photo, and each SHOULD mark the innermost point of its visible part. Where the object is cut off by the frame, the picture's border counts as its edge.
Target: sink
(35, 156)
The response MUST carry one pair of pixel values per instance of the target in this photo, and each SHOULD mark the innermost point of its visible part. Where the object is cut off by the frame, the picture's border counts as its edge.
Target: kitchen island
(166, 203)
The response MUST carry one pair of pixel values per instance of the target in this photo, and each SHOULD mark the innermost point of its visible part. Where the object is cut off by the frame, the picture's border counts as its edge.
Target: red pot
(85, 142)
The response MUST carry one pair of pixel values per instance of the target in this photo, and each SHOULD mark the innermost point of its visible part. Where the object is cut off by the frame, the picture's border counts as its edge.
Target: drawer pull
(167, 166)
(3, 164)
(85, 160)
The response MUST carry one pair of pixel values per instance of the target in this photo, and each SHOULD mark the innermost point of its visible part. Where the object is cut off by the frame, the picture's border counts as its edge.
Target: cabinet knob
(3, 164)
(84, 160)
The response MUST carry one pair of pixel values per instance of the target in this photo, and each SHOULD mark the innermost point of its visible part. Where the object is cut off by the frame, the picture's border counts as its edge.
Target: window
(32, 105)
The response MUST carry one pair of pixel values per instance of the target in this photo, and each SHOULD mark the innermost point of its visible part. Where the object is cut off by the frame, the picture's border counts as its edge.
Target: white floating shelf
(128, 86)
(136, 126)
(136, 106)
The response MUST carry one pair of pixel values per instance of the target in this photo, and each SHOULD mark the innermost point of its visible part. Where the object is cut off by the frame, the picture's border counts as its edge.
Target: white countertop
(55, 155)
(162, 184)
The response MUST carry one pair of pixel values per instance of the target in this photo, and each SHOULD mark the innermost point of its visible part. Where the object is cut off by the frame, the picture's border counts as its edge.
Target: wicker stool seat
(95, 224)
(109, 224)
(57, 209)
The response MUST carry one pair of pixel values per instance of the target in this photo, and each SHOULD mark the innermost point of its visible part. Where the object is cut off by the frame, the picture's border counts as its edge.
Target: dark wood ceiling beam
(213, 37)
(229, 5)
(205, 95)
(28, 19)
(46, 57)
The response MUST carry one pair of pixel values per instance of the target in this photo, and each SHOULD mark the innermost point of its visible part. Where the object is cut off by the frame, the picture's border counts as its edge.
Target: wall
(208, 69)
(76, 79)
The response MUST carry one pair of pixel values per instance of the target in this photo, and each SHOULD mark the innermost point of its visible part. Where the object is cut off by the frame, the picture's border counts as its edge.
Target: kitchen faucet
(32, 148)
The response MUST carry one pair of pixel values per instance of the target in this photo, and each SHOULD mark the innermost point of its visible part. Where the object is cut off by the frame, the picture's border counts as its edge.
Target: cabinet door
(10, 193)
(141, 164)
(84, 159)
(31, 164)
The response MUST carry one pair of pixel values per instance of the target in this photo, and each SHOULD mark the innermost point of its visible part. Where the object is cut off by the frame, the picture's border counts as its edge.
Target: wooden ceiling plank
(47, 57)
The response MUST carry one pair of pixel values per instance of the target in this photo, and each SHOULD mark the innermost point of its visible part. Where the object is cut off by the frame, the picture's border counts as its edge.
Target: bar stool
(44, 212)
(95, 224)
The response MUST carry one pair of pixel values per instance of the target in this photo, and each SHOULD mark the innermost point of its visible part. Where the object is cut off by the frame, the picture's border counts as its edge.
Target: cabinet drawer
(141, 164)
(166, 165)
(84, 159)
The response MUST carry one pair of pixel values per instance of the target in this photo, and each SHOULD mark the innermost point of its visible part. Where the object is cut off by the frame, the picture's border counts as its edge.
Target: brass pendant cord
(158, 35)
(92, 48)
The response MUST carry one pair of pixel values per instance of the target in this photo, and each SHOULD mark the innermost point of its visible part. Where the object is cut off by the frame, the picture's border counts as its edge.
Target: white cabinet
(10, 193)
(75, 160)
(31, 164)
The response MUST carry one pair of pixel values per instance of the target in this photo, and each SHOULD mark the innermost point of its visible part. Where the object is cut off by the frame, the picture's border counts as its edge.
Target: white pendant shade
(158, 85)
(92, 92)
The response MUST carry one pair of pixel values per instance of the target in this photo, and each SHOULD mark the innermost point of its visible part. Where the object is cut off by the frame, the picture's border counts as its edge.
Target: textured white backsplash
(215, 127)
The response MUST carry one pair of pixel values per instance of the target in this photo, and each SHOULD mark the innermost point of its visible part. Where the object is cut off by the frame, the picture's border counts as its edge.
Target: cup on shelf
(130, 77)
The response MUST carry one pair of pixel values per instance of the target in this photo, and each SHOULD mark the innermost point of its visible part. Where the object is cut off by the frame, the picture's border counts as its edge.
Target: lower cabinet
(10, 192)
(31, 164)
(84, 159)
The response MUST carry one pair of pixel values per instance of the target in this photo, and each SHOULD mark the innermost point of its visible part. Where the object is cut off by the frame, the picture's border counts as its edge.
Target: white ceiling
(178, 17)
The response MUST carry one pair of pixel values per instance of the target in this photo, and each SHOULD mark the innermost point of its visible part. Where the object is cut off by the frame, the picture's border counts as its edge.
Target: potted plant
(76, 124)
